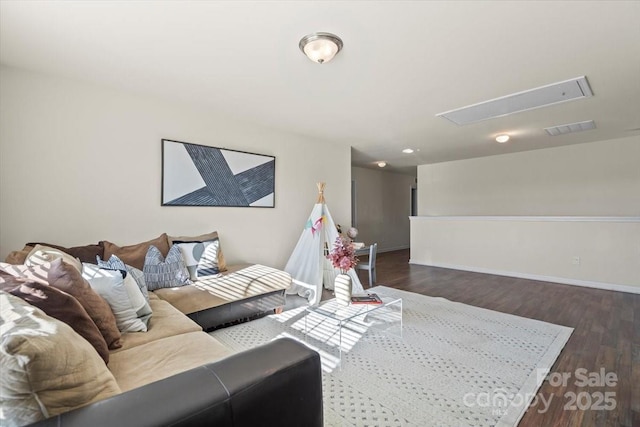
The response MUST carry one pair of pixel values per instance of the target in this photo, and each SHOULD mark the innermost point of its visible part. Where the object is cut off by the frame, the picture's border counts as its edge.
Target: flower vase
(342, 289)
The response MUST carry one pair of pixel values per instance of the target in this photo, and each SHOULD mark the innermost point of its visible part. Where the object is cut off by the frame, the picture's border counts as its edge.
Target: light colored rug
(455, 364)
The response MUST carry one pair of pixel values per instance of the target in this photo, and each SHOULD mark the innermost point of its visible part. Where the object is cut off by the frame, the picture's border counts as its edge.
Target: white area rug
(455, 364)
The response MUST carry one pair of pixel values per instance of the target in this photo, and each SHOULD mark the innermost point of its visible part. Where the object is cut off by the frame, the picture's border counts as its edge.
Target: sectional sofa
(172, 374)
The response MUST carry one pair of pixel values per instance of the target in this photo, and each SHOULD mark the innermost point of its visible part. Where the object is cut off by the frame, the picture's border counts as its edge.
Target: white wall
(81, 163)
(586, 181)
(383, 207)
(599, 178)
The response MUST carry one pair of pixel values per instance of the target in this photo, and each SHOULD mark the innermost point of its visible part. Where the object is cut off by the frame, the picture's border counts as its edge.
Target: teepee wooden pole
(320, 192)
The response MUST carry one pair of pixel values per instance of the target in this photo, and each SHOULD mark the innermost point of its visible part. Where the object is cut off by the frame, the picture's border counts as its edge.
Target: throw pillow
(134, 254)
(116, 263)
(160, 272)
(193, 252)
(208, 265)
(38, 273)
(222, 265)
(118, 288)
(86, 253)
(66, 278)
(18, 257)
(44, 254)
(47, 368)
(59, 305)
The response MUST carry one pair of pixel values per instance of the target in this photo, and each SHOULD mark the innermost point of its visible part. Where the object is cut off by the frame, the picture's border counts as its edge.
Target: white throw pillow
(209, 265)
(192, 253)
(129, 306)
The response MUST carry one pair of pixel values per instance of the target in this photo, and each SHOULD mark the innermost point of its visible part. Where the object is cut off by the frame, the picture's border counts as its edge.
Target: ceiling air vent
(522, 101)
(571, 127)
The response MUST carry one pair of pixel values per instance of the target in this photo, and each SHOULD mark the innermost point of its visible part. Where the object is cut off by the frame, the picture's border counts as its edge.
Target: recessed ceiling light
(407, 150)
(382, 164)
(502, 138)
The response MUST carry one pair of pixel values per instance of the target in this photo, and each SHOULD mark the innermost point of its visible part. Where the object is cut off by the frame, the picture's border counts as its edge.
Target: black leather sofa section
(277, 384)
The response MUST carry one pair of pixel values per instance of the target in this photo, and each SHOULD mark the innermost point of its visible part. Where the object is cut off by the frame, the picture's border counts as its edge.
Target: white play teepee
(308, 264)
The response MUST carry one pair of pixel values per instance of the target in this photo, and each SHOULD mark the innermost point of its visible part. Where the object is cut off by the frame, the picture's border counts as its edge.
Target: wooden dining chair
(370, 265)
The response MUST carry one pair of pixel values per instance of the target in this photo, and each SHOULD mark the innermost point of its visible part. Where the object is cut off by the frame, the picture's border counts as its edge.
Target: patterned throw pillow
(209, 237)
(193, 254)
(160, 272)
(208, 265)
(115, 263)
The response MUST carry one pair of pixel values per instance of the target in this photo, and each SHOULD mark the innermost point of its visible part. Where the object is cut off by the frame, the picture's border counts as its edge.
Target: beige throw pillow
(47, 368)
(41, 255)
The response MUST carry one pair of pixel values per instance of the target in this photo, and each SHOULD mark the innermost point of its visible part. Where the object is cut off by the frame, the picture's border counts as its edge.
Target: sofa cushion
(234, 285)
(210, 237)
(68, 279)
(59, 305)
(116, 263)
(118, 288)
(134, 254)
(167, 321)
(18, 257)
(47, 368)
(86, 253)
(165, 357)
(160, 272)
(40, 255)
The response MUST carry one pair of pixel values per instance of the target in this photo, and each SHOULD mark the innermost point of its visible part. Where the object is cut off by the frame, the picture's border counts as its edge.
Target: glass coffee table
(332, 325)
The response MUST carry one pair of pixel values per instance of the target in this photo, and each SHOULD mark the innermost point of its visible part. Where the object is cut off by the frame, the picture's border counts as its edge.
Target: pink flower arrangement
(343, 255)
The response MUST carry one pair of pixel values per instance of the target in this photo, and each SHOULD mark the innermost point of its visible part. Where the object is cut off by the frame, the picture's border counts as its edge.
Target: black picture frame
(201, 175)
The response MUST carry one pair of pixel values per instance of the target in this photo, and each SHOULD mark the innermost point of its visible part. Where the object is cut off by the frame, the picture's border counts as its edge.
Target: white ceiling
(402, 63)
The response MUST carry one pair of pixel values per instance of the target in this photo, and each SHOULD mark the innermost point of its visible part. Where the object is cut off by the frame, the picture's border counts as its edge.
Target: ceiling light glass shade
(502, 138)
(407, 151)
(320, 47)
(382, 164)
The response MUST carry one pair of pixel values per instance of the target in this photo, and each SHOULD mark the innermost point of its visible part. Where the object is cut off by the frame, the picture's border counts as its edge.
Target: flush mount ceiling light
(320, 47)
(382, 164)
(502, 138)
(407, 150)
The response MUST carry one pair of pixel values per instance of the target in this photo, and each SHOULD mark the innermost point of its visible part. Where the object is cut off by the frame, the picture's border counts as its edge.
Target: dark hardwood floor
(606, 334)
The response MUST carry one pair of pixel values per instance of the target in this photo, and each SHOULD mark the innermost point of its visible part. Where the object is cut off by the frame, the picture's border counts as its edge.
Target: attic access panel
(199, 175)
(531, 99)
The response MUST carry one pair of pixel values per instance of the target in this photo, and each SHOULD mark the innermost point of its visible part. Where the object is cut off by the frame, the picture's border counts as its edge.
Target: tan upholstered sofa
(173, 345)
(239, 292)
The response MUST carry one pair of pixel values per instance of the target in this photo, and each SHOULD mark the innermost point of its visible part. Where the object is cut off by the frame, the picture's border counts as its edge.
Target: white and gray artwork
(198, 175)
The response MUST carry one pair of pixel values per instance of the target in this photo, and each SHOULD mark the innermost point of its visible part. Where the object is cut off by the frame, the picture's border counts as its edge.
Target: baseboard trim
(553, 279)
(529, 218)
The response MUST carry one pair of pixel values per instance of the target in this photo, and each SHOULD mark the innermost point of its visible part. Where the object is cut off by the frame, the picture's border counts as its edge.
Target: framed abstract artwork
(199, 175)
